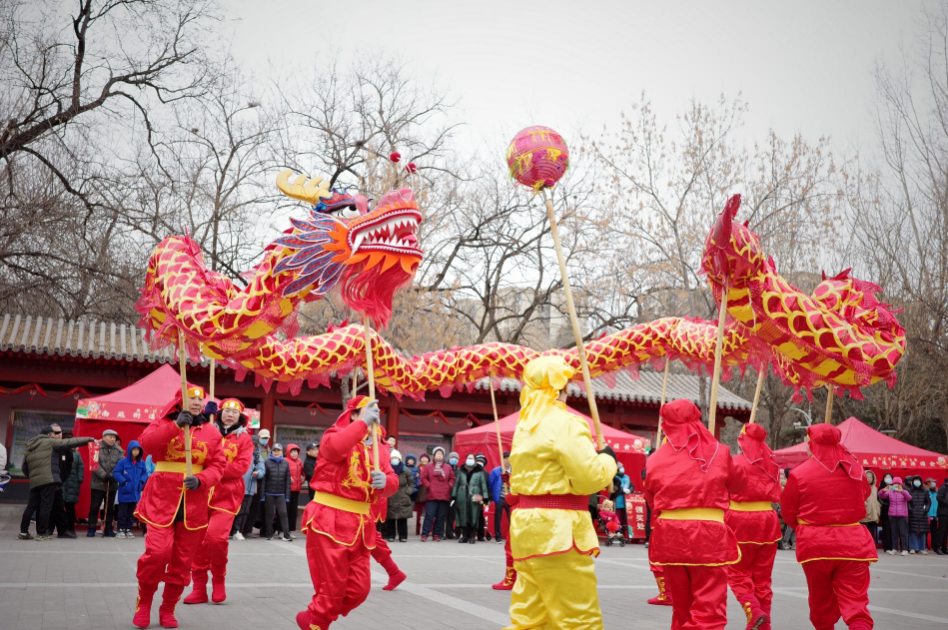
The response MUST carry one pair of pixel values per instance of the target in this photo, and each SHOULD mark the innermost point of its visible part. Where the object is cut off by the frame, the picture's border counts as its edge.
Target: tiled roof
(646, 390)
(89, 339)
(107, 340)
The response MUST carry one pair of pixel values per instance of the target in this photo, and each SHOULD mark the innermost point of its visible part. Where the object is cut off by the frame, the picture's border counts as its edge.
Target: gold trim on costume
(178, 467)
(752, 506)
(693, 514)
(341, 503)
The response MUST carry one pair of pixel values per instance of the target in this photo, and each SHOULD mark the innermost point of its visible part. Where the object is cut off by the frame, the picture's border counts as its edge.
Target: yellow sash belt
(341, 503)
(752, 506)
(802, 522)
(694, 514)
(178, 467)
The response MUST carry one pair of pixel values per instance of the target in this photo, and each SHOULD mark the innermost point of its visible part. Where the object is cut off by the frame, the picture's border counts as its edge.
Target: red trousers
(838, 588)
(168, 555)
(212, 554)
(750, 578)
(699, 597)
(340, 576)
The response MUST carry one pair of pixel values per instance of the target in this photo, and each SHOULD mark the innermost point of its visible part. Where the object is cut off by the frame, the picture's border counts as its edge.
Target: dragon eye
(346, 212)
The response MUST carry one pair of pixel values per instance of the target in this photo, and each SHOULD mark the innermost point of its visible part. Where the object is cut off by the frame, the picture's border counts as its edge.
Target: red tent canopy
(876, 451)
(127, 412)
(630, 448)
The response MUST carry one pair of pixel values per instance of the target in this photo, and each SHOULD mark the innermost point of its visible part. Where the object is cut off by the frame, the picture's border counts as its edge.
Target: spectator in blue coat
(254, 474)
(498, 492)
(622, 488)
(130, 474)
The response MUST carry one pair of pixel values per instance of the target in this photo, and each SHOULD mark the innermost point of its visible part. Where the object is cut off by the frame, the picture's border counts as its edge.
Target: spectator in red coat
(437, 478)
(296, 484)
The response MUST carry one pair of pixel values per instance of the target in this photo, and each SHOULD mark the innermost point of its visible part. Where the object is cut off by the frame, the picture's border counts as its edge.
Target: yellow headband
(196, 392)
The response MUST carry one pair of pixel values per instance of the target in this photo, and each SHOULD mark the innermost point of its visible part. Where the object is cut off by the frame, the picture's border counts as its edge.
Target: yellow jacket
(555, 457)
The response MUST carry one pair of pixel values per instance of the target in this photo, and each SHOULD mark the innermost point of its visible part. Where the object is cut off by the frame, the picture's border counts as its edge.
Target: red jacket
(237, 449)
(343, 472)
(825, 508)
(674, 481)
(164, 491)
(296, 469)
(437, 484)
(759, 527)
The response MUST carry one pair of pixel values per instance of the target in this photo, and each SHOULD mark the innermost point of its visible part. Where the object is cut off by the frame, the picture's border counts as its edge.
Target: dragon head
(732, 252)
(372, 252)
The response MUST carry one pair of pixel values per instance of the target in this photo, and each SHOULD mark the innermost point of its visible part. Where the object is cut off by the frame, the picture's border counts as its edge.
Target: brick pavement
(82, 584)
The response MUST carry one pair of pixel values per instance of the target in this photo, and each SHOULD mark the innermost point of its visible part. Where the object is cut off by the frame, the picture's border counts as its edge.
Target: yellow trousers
(555, 593)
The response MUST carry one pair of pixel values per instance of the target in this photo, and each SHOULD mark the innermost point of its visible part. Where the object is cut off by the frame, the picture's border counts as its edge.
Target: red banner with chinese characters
(638, 513)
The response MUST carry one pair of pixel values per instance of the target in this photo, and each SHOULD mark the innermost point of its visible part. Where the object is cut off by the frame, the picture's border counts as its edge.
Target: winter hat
(109, 432)
(436, 449)
(454, 455)
(396, 453)
(480, 458)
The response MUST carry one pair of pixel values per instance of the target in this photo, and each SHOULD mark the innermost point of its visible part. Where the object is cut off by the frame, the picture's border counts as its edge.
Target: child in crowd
(130, 474)
(608, 515)
(898, 498)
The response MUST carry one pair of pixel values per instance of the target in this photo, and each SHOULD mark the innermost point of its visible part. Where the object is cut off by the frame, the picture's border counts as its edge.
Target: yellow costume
(555, 469)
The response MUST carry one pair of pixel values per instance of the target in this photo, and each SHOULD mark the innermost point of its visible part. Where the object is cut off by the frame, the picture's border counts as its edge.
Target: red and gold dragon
(841, 335)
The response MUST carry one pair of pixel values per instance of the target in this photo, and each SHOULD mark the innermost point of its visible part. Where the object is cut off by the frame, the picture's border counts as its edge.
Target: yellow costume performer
(556, 468)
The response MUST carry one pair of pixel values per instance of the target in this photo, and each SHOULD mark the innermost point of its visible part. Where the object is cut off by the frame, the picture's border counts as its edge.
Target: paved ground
(91, 584)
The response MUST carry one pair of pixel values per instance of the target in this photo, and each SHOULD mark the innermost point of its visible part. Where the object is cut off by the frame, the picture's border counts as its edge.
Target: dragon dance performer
(224, 503)
(382, 553)
(754, 523)
(552, 540)
(823, 501)
(174, 505)
(663, 598)
(688, 483)
(338, 522)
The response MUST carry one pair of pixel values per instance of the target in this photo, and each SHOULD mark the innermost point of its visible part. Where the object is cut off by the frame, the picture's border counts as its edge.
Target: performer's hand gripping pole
(183, 368)
(573, 318)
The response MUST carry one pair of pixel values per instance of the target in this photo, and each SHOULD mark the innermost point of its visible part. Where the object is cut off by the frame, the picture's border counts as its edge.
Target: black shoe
(938, 551)
(109, 533)
(287, 538)
(450, 537)
(91, 533)
(462, 540)
(472, 541)
(67, 534)
(25, 536)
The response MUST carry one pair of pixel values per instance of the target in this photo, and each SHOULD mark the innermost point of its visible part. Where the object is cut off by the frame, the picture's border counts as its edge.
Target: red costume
(382, 553)
(824, 499)
(338, 523)
(176, 517)
(510, 575)
(754, 523)
(224, 503)
(688, 483)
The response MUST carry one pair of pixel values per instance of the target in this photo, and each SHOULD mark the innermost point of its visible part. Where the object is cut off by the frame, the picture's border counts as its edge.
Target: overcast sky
(801, 66)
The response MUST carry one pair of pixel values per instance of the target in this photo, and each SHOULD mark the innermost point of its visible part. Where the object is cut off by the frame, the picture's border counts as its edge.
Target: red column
(392, 412)
(266, 409)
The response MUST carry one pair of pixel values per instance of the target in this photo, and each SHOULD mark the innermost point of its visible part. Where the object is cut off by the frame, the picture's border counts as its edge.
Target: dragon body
(841, 334)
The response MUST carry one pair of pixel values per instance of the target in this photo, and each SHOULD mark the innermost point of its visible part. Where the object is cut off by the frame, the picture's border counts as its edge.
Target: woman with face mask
(470, 488)
(918, 516)
(871, 521)
(399, 504)
(886, 526)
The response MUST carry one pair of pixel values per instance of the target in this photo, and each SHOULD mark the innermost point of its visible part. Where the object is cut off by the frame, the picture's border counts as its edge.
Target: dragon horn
(303, 189)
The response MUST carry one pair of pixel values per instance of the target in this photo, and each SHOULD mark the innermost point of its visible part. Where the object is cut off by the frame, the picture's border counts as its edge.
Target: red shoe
(198, 594)
(169, 599)
(218, 593)
(394, 579)
(755, 616)
(424, 539)
(507, 584)
(142, 618)
(660, 600)
(437, 538)
(306, 621)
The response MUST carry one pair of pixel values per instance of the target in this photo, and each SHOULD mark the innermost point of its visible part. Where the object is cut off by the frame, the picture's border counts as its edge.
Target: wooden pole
(718, 350)
(370, 370)
(211, 392)
(500, 443)
(831, 393)
(185, 403)
(760, 382)
(658, 432)
(574, 319)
